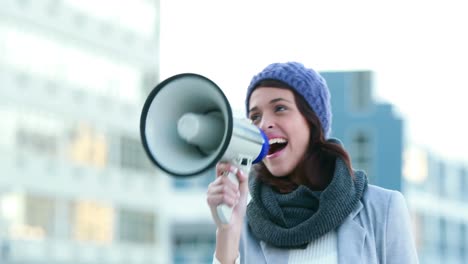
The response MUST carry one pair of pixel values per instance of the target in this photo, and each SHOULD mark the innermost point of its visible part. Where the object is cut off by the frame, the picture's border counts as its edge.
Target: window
(39, 218)
(92, 221)
(463, 243)
(463, 186)
(361, 152)
(443, 237)
(416, 166)
(193, 243)
(36, 141)
(419, 235)
(29, 217)
(87, 146)
(442, 179)
(431, 232)
(136, 226)
(132, 155)
(360, 91)
(37, 131)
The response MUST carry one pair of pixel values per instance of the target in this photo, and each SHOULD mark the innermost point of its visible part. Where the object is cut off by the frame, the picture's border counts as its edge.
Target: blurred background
(75, 184)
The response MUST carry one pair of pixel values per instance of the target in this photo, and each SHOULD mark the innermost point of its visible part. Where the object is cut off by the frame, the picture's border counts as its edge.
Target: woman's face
(274, 110)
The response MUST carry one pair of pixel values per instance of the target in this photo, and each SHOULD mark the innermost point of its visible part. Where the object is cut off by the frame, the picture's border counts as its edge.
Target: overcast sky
(417, 49)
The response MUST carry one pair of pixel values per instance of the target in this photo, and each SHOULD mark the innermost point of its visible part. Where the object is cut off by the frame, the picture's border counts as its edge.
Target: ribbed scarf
(294, 219)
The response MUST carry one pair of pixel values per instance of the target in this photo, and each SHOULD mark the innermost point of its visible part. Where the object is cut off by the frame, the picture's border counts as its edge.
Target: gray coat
(377, 231)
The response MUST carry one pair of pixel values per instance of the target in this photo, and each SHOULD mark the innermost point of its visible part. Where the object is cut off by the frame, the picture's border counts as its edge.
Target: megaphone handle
(224, 212)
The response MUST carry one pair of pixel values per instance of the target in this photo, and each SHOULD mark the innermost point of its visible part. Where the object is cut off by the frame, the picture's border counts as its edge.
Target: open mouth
(276, 145)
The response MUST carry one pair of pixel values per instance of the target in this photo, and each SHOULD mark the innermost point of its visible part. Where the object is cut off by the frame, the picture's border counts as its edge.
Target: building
(370, 131)
(75, 185)
(436, 192)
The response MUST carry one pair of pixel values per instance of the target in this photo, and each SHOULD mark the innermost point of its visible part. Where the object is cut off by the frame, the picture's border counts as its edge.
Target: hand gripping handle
(223, 211)
(244, 163)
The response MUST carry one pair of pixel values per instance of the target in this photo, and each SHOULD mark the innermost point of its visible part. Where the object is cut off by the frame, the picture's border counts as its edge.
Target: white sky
(417, 49)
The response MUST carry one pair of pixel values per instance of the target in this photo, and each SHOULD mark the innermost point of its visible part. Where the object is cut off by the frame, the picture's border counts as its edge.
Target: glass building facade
(436, 191)
(76, 186)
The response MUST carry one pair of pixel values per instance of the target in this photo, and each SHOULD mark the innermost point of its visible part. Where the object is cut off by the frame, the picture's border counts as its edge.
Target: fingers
(222, 168)
(241, 176)
(222, 191)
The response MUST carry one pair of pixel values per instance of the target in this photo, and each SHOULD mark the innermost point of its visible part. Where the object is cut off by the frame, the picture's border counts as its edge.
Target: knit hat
(306, 82)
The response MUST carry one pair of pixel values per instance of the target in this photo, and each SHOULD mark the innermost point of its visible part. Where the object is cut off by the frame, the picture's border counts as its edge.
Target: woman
(307, 203)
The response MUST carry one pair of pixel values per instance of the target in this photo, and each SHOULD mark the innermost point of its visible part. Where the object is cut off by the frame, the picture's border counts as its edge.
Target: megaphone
(187, 126)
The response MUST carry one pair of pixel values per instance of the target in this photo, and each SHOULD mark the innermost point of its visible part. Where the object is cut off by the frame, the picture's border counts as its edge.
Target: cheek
(302, 141)
(300, 130)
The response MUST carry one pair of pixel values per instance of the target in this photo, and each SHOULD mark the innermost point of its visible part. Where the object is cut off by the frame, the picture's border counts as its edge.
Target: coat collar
(274, 254)
(351, 237)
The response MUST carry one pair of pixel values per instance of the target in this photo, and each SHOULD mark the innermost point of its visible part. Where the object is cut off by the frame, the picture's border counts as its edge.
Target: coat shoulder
(378, 202)
(379, 196)
(386, 218)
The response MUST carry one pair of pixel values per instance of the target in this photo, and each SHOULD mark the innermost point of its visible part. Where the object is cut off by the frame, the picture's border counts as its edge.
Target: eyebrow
(271, 102)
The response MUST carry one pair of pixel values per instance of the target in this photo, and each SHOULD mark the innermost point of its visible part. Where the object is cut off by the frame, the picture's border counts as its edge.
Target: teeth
(277, 140)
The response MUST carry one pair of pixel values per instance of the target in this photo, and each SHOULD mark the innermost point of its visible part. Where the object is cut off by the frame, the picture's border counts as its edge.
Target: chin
(278, 172)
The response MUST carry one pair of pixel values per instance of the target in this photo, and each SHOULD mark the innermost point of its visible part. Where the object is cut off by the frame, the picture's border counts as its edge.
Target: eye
(255, 117)
(280, 108)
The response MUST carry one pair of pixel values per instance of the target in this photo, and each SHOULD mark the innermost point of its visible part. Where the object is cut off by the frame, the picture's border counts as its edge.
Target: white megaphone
(187, 126)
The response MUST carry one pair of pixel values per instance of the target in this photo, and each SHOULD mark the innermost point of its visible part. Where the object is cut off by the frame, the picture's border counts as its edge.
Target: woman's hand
(224, 191)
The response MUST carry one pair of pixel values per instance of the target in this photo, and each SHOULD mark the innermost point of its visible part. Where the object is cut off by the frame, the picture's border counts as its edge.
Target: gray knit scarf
(294, 219)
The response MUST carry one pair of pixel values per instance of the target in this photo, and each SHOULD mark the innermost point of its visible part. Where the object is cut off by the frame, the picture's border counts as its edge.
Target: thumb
(243, 181)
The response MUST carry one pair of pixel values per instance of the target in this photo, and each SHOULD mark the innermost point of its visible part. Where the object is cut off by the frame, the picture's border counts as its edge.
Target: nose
(267, 122)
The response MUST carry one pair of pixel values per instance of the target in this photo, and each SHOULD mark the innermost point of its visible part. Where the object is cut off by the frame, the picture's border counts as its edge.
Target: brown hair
(316, 169)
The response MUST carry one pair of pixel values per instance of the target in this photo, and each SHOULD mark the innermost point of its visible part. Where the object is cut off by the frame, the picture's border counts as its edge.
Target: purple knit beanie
(306, 82)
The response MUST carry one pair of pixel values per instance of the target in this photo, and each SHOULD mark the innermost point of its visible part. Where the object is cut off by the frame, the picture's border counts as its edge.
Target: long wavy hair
(317, 168)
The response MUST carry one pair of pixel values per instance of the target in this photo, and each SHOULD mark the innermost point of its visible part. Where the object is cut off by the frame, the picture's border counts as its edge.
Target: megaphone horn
(187, 126)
